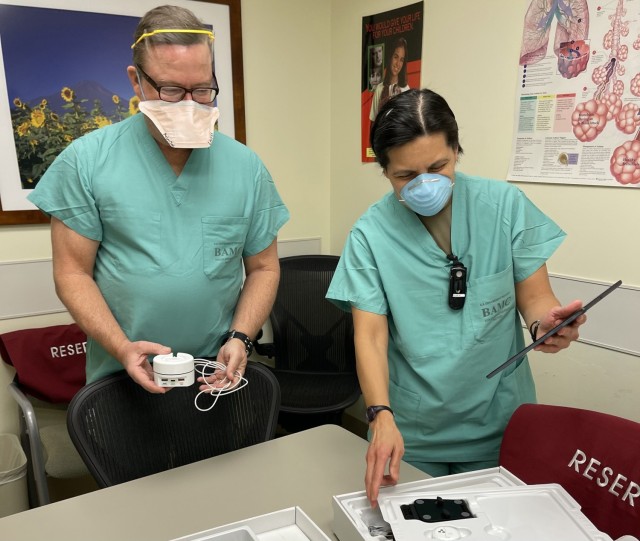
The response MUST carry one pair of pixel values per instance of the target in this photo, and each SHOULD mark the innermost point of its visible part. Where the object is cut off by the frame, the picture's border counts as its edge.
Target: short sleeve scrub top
(169, 263)
(445, 407)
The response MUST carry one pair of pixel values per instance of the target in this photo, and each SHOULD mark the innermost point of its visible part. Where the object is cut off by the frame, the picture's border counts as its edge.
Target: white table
(304, 469)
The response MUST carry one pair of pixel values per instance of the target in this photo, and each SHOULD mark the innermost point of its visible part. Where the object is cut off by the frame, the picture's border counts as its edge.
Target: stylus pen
(553, 331)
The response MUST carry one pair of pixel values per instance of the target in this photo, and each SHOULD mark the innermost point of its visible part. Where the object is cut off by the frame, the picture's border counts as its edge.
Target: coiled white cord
(207, 368)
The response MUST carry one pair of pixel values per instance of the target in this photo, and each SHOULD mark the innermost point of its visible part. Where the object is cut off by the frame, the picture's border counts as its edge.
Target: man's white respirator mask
(182, 123)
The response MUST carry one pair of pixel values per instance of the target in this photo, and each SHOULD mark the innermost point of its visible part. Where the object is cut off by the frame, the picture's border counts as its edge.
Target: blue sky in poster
(46, 49)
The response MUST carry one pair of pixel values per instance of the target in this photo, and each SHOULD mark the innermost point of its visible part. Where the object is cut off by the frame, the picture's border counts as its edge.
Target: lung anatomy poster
(578, 101)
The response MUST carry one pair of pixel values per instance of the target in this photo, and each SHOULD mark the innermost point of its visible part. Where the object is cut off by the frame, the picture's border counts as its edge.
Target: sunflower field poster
(62, 75)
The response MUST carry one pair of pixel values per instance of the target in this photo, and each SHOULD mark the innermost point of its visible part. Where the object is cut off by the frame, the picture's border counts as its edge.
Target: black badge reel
(457, 283)
(170, 371)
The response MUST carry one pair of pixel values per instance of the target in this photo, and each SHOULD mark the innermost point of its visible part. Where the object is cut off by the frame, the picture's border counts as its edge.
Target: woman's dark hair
(410, 115)
(402, 76)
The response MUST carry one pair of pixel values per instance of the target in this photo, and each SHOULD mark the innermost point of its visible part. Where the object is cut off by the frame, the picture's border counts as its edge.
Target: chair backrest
(309, 332)
(594, 456)
(123, 432)
(49, 361)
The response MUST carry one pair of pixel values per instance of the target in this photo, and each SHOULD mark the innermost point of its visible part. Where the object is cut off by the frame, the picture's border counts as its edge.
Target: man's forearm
(256, 300)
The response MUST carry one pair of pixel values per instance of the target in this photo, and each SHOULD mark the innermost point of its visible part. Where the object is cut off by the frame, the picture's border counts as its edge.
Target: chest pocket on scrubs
(491, 301)
(223, 240)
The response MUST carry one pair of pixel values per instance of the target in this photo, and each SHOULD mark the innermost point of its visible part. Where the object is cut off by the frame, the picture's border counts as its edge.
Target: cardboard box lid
(287, 524)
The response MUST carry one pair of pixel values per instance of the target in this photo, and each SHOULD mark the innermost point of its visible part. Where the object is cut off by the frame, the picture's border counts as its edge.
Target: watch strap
(372, 411)
(248, 344)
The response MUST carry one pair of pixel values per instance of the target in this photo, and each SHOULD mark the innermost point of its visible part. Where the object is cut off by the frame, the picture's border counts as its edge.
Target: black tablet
(553, 331)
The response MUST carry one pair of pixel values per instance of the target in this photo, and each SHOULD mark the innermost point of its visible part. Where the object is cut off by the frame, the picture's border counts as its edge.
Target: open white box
(502, 506)
(290, 524)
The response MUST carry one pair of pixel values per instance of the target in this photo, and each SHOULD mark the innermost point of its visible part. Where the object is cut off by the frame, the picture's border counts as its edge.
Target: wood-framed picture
(63, 73)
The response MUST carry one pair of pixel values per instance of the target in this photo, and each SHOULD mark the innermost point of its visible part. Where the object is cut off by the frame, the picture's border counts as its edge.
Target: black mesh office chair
(312, 345)
(123, 432)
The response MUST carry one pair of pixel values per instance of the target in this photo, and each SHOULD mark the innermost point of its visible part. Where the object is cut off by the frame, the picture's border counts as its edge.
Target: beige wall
(302, 75)
(287, 81)
(473, 63)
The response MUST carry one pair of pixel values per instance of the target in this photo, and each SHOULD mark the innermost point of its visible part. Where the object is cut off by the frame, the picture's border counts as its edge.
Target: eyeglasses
(174, 93)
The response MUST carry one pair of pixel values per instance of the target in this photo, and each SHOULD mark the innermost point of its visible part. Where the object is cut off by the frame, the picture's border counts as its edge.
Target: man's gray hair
(167, 17)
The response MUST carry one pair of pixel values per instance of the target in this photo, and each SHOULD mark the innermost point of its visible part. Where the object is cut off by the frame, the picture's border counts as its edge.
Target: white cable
(203, 367)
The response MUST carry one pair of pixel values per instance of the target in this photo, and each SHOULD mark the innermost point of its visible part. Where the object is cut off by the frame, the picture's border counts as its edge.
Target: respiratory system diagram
(606, 106)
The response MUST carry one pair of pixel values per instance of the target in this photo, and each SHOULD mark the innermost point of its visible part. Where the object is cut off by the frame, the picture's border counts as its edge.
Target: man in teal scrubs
(154, 218)
(424, 349)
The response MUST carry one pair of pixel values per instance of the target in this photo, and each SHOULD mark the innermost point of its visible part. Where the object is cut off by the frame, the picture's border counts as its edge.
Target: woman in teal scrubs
(437, 274)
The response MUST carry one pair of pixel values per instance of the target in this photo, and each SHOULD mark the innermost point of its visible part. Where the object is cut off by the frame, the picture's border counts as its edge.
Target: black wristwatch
(372, 411)
(248, 344)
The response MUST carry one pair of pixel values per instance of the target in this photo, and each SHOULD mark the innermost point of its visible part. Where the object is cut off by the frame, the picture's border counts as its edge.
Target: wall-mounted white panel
(613, 322)
(309, 246)
(26, 287)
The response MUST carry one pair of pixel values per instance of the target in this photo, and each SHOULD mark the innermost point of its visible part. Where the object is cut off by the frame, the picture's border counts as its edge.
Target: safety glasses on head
(174, 31)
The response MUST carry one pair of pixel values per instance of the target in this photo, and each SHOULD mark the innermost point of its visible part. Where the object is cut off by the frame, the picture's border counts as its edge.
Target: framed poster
(391, 63)
(578, 95)
(63, 74)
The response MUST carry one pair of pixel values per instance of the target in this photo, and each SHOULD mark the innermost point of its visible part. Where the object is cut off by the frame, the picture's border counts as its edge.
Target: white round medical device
(170, 371)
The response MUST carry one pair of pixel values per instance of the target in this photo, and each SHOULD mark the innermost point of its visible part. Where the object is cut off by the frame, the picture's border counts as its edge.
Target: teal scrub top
(445, 407)
(169, 264)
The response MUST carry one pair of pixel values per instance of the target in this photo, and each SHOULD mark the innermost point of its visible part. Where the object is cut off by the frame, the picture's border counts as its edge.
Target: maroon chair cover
(49, 361)
(594, 456)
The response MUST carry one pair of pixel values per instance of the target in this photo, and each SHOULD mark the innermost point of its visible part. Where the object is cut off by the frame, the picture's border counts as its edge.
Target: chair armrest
(35, 443)
(25, 405)
(266, 349)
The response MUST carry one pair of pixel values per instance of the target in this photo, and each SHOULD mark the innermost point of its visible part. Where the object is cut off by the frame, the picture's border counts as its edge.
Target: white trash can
(13, 476)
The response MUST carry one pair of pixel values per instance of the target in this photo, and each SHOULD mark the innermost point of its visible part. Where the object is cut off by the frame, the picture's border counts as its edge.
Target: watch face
(372, 411)
(371, 414)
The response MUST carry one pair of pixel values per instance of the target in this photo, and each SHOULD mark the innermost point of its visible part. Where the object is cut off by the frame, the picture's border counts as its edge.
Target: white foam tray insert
(353, 517)
(290, 524)
(519, 513)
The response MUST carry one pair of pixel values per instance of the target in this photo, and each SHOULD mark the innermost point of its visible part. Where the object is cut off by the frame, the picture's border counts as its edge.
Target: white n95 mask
(183, 124)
